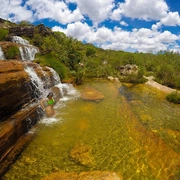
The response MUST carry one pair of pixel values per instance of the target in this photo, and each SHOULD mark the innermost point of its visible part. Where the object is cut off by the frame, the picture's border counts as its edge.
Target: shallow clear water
(133, 131)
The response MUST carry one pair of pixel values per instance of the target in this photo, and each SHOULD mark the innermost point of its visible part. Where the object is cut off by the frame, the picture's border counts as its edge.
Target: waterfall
(37, 86)
(2, 57)
(20, 40)
(41, 87)
(27, 51)
(55, 75)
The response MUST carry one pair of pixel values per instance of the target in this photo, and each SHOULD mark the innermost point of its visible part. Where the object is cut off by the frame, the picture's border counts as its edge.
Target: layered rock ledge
(19, 107)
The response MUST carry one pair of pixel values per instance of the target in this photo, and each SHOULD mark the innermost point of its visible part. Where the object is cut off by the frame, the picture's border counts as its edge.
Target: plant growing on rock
(12, 52)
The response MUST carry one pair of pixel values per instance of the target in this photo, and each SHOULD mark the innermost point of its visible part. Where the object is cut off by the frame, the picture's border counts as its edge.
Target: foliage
(49, 60)
(12, 52)
(91, 50)
(174, 97)
(3, 34)
(24, 23)
(72, 58)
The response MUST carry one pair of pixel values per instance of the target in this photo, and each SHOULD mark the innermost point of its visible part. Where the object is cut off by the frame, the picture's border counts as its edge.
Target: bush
(12, 52)
(174, 97)
(49, 60)
(3, 34)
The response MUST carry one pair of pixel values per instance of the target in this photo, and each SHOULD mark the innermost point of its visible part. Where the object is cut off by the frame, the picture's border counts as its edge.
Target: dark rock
(27, 31)
(128, 69)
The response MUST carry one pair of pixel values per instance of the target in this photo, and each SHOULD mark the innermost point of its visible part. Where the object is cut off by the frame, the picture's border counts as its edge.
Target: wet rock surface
(91, 94)
(93, 175)
(82, 154)
(19, 108)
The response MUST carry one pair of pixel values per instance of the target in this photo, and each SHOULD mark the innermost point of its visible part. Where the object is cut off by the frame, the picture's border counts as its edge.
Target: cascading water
(55, 75)
(27, 51)
(41, 89)
(2, 57)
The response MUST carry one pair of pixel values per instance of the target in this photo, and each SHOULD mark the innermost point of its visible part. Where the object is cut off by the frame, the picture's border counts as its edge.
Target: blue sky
(129, 25)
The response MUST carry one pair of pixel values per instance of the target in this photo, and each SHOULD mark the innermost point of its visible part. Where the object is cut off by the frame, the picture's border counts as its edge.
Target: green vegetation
(74, 60)
(3, 34)
(12, 52)
(174, 97)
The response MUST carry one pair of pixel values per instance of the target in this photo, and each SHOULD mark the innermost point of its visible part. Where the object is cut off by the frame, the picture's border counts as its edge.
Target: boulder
(91, 94)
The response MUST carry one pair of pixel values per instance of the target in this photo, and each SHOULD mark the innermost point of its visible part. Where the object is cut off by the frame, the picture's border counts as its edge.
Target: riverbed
(133, 131)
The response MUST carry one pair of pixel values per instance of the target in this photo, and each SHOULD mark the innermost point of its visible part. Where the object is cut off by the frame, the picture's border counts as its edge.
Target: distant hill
(6, 24)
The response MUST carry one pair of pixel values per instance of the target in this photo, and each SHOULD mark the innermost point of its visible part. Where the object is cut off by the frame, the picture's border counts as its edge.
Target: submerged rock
(92, 175)
(92, 94)
(82, 154)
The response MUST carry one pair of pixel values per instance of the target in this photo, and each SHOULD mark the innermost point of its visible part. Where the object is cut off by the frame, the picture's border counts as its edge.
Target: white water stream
(2, 57)
(40, 90)
(27, 51)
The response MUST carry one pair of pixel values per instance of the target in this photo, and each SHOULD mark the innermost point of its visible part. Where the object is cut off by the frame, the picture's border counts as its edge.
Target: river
(133, 131)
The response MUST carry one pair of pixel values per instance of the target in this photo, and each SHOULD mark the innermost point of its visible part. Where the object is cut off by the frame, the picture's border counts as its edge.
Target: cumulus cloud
(96, 10)
(55, 10)
(146, 10)
(142, 39)
(13, 11)
(100, 12)
(172, 19)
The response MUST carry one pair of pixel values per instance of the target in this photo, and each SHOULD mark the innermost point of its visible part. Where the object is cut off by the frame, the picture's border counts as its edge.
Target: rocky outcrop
(15, 86)
(128, 69)
(19, 108)
(92, 175)
(6, 24)
(29, 30)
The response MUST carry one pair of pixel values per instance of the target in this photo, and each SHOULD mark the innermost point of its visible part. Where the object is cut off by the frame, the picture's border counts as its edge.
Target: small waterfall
(2, 57)
(19, 40)
(55, 75)
(37, 86)
(27, 51)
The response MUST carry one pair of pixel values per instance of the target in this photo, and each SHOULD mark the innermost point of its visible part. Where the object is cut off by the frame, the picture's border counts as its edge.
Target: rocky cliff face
(19, 108)
(29, 31)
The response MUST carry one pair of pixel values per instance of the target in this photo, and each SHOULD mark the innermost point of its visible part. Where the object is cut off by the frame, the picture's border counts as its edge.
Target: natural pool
(133, 131)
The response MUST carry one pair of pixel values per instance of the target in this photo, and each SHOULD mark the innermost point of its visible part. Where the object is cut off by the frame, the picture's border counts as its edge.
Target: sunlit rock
(82, 154)
(92, 175)
(91, 94)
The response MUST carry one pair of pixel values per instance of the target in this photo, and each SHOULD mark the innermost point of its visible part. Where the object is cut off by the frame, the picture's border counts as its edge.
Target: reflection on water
(133, 131)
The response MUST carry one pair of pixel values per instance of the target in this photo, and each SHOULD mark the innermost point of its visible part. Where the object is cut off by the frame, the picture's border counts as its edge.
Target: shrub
(12, 52)
(174, 97)
(49, 60)
(3, 34)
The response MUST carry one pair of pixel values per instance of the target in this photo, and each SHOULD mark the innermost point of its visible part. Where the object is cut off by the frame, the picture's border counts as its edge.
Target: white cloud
(123, 23)
(96, 10)
(53, 9)
(13, 11)
(141, 9)
(142, 39)
(172, 19)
